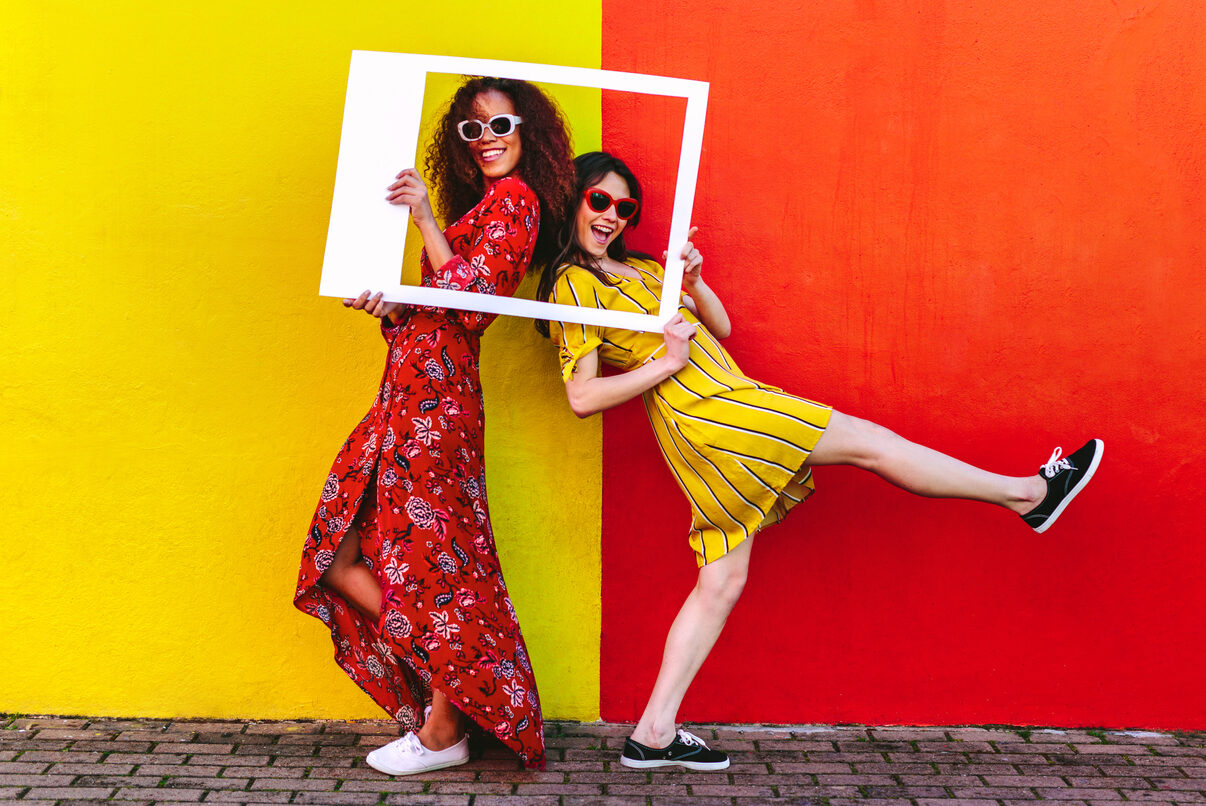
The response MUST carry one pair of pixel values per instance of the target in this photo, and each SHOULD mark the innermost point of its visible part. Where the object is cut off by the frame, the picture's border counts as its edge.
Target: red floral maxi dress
(411, 477)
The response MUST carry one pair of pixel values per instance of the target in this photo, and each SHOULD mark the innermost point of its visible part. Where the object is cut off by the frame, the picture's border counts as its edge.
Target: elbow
(723, 332)
(581, 407)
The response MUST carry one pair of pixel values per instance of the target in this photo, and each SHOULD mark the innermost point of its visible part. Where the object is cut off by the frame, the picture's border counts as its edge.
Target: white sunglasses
(501, 125)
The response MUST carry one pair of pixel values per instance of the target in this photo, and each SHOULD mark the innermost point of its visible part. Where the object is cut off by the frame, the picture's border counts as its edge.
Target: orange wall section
(981, 225)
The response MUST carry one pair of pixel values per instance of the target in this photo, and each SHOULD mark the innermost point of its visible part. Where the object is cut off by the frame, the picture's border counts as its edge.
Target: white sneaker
(407, 756)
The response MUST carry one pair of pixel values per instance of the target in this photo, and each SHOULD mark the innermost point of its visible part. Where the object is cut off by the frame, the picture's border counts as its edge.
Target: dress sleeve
(572, 339)
(492, 256)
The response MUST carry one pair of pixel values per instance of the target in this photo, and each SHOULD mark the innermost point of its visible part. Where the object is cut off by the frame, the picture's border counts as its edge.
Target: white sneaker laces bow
(691, 738)
(410, 744)
(1055, 464)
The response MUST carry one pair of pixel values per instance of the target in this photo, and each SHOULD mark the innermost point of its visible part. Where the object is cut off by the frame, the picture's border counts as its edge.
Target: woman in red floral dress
(400, 561)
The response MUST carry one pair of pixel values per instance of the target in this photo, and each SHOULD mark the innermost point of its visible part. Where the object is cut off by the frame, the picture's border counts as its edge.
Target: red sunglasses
(599, 200)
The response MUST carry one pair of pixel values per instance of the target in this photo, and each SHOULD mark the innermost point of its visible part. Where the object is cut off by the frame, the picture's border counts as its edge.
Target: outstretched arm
(590, 393)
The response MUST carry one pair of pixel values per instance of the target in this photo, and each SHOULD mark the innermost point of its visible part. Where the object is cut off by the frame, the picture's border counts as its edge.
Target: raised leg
(691, 637)
(918, 469)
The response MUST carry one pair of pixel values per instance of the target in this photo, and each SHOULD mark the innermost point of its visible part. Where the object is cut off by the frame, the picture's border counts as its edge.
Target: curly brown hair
(545, 163)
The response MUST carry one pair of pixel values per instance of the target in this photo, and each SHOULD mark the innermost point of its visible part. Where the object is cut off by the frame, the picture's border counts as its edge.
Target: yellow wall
(172, 389)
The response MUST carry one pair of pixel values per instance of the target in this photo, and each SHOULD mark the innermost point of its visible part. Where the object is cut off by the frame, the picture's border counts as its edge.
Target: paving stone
(60, 755)
(161, 795)
(657, 791)
(688, 801)
(349, 798)
(993, 793)
(68, 793)
(1151, 795)
(907, 734)
(1074, 793)
(35, 722)
(359, 726)
(23, 767)
(532, 800)
(384, 784)
(150, 758)
(556, 789)
(145, 781)
(293, 784)
(227, 796)
(897, 792)
(207, 783)
(16, 780)
(285, 728)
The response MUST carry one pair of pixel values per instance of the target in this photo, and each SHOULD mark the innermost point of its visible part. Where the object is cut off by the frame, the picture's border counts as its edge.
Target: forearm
(438, 250)
(590, 395)
(710, 310)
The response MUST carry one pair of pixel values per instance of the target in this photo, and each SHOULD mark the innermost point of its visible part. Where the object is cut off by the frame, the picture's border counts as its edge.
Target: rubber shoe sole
(640, 764)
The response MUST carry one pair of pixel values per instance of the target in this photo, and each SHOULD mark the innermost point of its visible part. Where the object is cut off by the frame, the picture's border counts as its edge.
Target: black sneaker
(1065, 478)
(687, 750)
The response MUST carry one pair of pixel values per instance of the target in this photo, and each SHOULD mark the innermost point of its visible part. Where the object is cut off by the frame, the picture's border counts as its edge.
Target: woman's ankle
(441, 734)
(653, 735)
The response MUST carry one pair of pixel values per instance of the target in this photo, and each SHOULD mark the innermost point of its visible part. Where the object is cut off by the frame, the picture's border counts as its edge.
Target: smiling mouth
(602, 234)
(491, 154)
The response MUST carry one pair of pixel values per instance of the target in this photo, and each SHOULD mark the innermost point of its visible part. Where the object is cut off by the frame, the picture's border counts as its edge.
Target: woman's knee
(723, 580)
(346, 555)
(863, 444)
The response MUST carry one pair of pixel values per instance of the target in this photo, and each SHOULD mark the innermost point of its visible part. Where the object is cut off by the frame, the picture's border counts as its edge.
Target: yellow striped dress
(737, 447)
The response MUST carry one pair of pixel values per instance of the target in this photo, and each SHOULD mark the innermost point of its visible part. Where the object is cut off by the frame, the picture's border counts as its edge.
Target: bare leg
(445, 725)
(918, 469)
(692, 635)
(351, 578)
(348, 576)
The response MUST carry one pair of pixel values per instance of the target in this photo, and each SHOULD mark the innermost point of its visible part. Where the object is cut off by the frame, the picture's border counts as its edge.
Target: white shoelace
(1055, 464)
(691, 738)
(410, 744)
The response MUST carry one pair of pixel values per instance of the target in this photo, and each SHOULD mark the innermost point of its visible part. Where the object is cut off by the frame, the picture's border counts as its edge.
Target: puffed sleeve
(492, 256)
(574, 287)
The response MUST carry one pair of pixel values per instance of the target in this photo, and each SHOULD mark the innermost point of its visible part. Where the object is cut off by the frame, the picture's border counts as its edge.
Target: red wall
(980, 224)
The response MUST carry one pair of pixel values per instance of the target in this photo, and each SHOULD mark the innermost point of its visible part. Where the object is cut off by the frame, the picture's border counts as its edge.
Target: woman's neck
(616, 267)
(487, 182)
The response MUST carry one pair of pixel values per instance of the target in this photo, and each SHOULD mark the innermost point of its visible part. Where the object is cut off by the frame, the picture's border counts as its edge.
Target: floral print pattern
(411, 478)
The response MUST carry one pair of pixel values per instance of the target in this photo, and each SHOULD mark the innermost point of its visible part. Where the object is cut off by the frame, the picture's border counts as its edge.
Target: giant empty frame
(381, 121)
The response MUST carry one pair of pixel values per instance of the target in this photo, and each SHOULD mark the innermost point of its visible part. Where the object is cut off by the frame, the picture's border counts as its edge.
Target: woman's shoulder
(573, 274)
(576, 282)
(514, 188)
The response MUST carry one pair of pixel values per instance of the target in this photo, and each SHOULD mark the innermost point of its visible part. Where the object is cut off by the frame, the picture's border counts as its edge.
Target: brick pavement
(45, 760)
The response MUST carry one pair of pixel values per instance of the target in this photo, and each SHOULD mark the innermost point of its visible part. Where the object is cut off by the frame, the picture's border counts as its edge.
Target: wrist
(670, 364)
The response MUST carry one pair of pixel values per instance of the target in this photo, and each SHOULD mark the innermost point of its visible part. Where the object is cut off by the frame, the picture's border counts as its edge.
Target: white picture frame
(381, 122)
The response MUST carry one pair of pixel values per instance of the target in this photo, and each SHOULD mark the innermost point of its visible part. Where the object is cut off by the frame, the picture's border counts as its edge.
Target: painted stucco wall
(173, 389)
(982, 225)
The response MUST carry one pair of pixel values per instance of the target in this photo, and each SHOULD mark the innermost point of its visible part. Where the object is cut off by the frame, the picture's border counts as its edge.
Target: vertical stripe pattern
(737, 447)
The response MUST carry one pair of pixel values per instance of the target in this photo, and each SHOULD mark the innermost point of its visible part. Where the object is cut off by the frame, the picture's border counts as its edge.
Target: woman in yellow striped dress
(742, 451)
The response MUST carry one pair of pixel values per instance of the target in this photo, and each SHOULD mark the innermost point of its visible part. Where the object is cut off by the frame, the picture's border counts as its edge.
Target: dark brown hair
(544, 163)
(590, 168)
